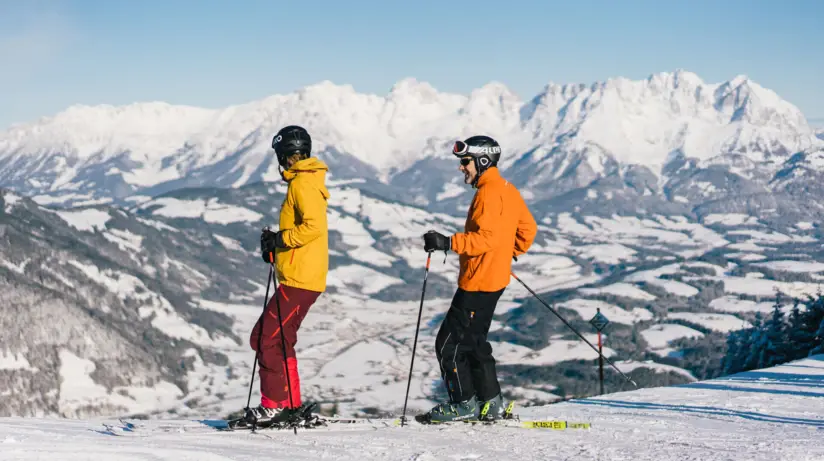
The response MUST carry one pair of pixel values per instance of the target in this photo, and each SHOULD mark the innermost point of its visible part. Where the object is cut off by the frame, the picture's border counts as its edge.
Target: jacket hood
(312, 167)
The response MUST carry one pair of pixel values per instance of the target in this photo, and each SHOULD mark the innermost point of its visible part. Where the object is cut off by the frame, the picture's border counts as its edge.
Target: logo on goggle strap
(461, 147)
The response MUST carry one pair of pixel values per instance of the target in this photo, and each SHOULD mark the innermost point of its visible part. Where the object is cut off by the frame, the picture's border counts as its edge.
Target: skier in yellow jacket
(300, 252)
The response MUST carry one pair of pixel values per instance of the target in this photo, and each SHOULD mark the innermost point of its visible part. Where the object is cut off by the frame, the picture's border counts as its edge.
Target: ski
(218, 427)
(512, 423)
(555, 425)
(509, 419)
(306, 420)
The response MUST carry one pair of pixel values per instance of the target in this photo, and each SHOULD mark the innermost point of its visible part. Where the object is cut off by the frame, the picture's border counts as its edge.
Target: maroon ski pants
(294, 304)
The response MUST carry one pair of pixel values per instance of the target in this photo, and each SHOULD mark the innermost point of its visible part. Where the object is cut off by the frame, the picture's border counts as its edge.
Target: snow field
(606, 253)
(359, 280)
(621, 289)
(228, 243)
(14, 361)
(164, 317)
(730, 219)
(717, 322)
(355, 234)
(559, 350)
(792, 266)
(658, 336)
(10, 199)
(587, 308)
(210, 211)
(87, 220)
(78, 390)
(127, 241)
(762, 415)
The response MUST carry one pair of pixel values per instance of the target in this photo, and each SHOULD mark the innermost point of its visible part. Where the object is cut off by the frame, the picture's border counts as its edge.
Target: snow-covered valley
(660, 281)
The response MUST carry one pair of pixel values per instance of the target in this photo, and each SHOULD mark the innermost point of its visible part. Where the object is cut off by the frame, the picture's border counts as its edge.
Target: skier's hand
(269, 242)
(435, 241)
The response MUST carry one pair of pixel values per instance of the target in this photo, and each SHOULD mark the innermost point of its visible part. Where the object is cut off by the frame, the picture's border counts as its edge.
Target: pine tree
(819, 341)
(795, 332)
(774, 337)
(811, 320)
(756, 342)
(732, 361)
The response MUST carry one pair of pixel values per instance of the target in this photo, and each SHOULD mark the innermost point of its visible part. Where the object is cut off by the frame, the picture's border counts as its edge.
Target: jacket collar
(307, 165)
(490, 175)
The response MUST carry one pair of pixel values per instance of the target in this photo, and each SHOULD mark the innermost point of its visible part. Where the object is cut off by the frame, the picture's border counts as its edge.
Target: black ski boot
(261, 417)
(493, 409)
(451, 411)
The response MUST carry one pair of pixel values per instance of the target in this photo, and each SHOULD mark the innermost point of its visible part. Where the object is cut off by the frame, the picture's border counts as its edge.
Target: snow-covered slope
(765, 415)
(668, 127)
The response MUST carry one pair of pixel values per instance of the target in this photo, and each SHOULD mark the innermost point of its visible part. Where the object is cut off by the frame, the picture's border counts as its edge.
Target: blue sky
(214, 53)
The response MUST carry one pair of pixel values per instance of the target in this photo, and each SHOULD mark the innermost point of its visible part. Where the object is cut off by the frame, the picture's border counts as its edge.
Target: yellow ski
(555, 425)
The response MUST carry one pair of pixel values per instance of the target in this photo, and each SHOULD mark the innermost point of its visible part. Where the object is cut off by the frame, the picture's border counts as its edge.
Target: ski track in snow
(770, 415)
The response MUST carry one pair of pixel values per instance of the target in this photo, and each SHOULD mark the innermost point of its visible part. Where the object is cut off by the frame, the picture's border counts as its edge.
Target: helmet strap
(481, 165)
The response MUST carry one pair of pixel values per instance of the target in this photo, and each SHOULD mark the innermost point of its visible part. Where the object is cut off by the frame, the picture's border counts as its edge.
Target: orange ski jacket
(499, 226)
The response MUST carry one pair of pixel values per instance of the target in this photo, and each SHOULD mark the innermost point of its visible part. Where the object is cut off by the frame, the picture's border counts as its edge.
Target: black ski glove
(269, 242)
(435, 241)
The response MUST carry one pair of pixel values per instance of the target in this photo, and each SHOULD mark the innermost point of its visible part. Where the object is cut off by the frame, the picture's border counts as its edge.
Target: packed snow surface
(766, 415)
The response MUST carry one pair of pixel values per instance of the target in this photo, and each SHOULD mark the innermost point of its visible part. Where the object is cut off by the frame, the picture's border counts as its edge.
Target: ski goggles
(461, 148)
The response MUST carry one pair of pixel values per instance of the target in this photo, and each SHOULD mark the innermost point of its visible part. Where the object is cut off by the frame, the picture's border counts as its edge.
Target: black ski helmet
(290, 140)
(484, 150)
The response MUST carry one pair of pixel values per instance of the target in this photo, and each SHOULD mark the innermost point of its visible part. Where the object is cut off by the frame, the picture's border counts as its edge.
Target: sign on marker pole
(599, 321)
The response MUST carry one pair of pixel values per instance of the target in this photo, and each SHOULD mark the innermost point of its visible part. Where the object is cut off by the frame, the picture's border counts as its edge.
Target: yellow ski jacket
(305, 263)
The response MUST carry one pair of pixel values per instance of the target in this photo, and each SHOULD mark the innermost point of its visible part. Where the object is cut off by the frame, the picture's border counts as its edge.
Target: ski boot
(262, 417)
(494, 409)
(303, 417)
(451, 411)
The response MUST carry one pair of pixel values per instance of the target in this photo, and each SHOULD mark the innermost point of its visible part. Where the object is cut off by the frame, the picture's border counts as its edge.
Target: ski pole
(573, 329)
(282, 338)
(415, 342)
(257, 352)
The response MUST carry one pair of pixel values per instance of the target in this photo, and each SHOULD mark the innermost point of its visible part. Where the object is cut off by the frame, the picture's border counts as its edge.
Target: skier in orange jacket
(499, 226)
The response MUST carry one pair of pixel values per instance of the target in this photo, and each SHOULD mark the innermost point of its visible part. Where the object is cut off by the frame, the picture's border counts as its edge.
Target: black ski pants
(464, 354)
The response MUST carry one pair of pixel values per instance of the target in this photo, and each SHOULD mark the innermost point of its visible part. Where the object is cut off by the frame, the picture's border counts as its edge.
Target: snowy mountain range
(670, 142)
(129, 235)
